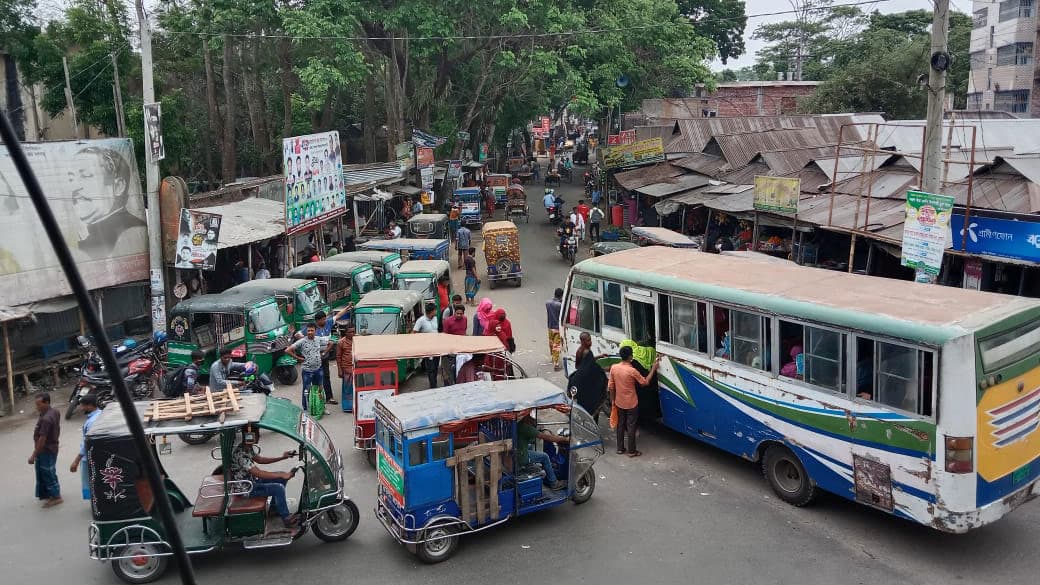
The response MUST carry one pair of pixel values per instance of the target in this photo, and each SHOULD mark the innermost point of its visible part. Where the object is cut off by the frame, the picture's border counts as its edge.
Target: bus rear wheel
(787, 476)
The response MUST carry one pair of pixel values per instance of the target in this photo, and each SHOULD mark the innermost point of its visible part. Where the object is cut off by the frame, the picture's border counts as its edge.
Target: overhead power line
(558, 34)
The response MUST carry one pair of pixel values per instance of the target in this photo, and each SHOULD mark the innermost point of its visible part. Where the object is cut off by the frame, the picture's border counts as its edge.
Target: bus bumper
(961, 522)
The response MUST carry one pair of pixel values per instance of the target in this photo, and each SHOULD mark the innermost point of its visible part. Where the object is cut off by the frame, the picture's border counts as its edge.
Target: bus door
(641, 313)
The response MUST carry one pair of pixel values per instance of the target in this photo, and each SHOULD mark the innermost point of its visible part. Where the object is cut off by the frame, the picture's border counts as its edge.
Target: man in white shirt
(395, 231)
(579, 223)
(428, 324)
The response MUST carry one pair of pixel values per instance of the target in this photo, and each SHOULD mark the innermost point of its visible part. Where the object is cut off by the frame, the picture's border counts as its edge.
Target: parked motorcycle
(140, 365)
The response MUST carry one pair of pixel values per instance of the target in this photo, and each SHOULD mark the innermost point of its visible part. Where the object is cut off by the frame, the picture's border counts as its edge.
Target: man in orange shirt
(622, 387)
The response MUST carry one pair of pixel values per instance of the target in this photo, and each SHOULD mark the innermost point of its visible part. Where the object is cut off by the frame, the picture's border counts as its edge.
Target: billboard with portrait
(95, 193)
(314, 191)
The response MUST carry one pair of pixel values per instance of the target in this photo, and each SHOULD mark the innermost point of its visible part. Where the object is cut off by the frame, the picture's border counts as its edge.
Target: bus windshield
(377, 323)
(365, 281)
(265, 318)
(308, 299)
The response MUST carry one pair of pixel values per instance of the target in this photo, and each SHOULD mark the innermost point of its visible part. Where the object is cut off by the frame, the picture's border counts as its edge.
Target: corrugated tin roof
(886, 182)
(249, 220)
(1000, 192)
(673, 186)
(693, 135)
(883, 213)
(371, 173)
(13, 313)
(705, 164)
(648, 132)
(746, 175)
(1021, 134)
(740, 149)
(643, 176)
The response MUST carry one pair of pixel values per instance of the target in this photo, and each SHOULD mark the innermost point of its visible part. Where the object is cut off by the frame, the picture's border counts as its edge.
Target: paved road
(684, 513)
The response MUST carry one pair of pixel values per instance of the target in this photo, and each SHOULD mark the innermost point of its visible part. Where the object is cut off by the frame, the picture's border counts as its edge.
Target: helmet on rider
(159, 337)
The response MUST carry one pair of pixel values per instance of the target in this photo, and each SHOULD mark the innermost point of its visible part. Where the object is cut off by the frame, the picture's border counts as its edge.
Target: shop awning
(13, 313)
(474, 165)
(673, 186)
(249, 220)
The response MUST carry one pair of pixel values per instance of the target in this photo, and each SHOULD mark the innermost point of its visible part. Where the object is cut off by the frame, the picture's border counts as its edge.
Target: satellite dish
(622, 81)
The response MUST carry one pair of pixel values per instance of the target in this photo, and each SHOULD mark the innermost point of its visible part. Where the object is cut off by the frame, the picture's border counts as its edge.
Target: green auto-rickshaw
(300, 299)
(385, 264)
(343, 282)
(422, 276)
(125, 527)
(249, 322)
(388, 312)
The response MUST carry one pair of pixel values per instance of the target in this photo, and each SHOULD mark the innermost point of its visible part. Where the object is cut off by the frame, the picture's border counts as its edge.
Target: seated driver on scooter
(265, 483)
(527, 432)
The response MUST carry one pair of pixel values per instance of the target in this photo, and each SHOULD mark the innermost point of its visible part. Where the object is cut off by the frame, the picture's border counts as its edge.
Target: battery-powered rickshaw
(659, 236)
(385, 264)
(502, 252)
(469, 206)
(411, 248)
(341, 282)
(376, 367)
(433, 487)
(428, 225)
(498, 184)
(300, 299)
(249, 322)
(422, 276)
(125, 528)
(516, 203)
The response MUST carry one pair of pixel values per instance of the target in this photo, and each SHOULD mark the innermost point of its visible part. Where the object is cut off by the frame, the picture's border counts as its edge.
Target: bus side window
(742, 337)
(612, 305)
(641, 323)
(583, 313)
(683, 323)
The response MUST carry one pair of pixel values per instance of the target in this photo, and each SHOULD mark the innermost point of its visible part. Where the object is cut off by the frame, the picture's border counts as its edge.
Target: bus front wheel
(787, 476)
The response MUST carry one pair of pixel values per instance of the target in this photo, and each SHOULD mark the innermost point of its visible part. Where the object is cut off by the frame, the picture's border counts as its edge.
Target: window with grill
(1012, 101)
(978, 19)
(1014, 54)
(1010, 9)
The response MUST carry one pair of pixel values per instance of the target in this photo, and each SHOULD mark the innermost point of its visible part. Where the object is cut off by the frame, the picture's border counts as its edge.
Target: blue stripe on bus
(909, 489)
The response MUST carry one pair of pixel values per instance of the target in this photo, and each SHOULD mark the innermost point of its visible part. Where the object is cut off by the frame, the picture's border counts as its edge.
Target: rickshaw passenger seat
(207, 507)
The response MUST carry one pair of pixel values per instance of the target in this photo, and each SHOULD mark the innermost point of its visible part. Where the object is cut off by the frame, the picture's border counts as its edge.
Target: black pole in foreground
(61, 249)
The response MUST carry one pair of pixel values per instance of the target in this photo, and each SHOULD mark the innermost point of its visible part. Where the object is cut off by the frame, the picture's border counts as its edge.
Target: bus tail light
(960, 454)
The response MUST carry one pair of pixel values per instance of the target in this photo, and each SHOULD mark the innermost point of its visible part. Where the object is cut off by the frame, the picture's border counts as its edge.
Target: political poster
(94, 191)
(153, 138)
(926, 231)
(425, 160)
(314, 190)
(778, 194)
(197, 240)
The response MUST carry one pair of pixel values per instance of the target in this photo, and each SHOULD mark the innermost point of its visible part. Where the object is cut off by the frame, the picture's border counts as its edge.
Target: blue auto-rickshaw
(469, 205)
(433, 487)
(411, 248)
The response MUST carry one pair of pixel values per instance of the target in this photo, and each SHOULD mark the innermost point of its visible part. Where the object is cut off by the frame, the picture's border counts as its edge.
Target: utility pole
(936, 94)
(68, 97)
(117, 91)
(155, 261)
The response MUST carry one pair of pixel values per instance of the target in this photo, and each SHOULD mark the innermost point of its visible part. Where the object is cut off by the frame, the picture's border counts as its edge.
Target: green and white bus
(919, 400)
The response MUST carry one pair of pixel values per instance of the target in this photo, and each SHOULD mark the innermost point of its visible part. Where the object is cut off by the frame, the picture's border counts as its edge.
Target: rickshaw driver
(265, 483)
(527, 432)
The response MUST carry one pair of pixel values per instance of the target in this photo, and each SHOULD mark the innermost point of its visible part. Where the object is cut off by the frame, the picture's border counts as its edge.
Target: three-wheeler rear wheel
(440, 543)
(140, 563)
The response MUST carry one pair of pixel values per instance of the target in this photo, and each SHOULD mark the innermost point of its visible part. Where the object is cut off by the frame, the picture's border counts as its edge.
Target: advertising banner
(482, 152)
(454, 169)
(1007, 238)
(926, 231)
(777, 194)
(314, 189)
(425, 163)
(197, 242)
(627, 136)
(95, 193)
(635, 154)
(545, 125)
(420, 138)
(613, 140)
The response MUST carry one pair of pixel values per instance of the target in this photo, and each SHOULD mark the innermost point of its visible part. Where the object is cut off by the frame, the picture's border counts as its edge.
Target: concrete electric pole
(155, 261)
(940, 62)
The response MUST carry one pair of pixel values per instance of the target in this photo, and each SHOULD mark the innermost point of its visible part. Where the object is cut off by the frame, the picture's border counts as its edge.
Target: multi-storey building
(1003, 60)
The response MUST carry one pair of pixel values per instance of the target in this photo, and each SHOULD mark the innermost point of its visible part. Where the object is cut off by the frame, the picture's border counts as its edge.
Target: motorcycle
(244, 377)
(569, 247)
(140, 365)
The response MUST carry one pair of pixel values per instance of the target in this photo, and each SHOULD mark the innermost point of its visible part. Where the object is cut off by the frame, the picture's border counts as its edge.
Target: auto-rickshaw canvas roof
(274, 286)
(234, 301)
(428, 217)
(405, 346)
(663, 235)
(611, 247)
(401, 299)
(494, 226)
(437, 406)
(425, 266)
(343, 269)
(369, 256)
(252, 408)
(404, 244)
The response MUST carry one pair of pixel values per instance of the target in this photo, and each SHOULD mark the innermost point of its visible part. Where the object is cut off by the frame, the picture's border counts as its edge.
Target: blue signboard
(997, 237)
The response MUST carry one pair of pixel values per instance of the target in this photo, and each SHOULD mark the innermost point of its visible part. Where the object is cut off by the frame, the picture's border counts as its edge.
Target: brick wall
(760, 100)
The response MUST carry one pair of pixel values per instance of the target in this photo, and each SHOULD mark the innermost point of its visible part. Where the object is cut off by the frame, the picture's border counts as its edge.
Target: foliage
(722, 21)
